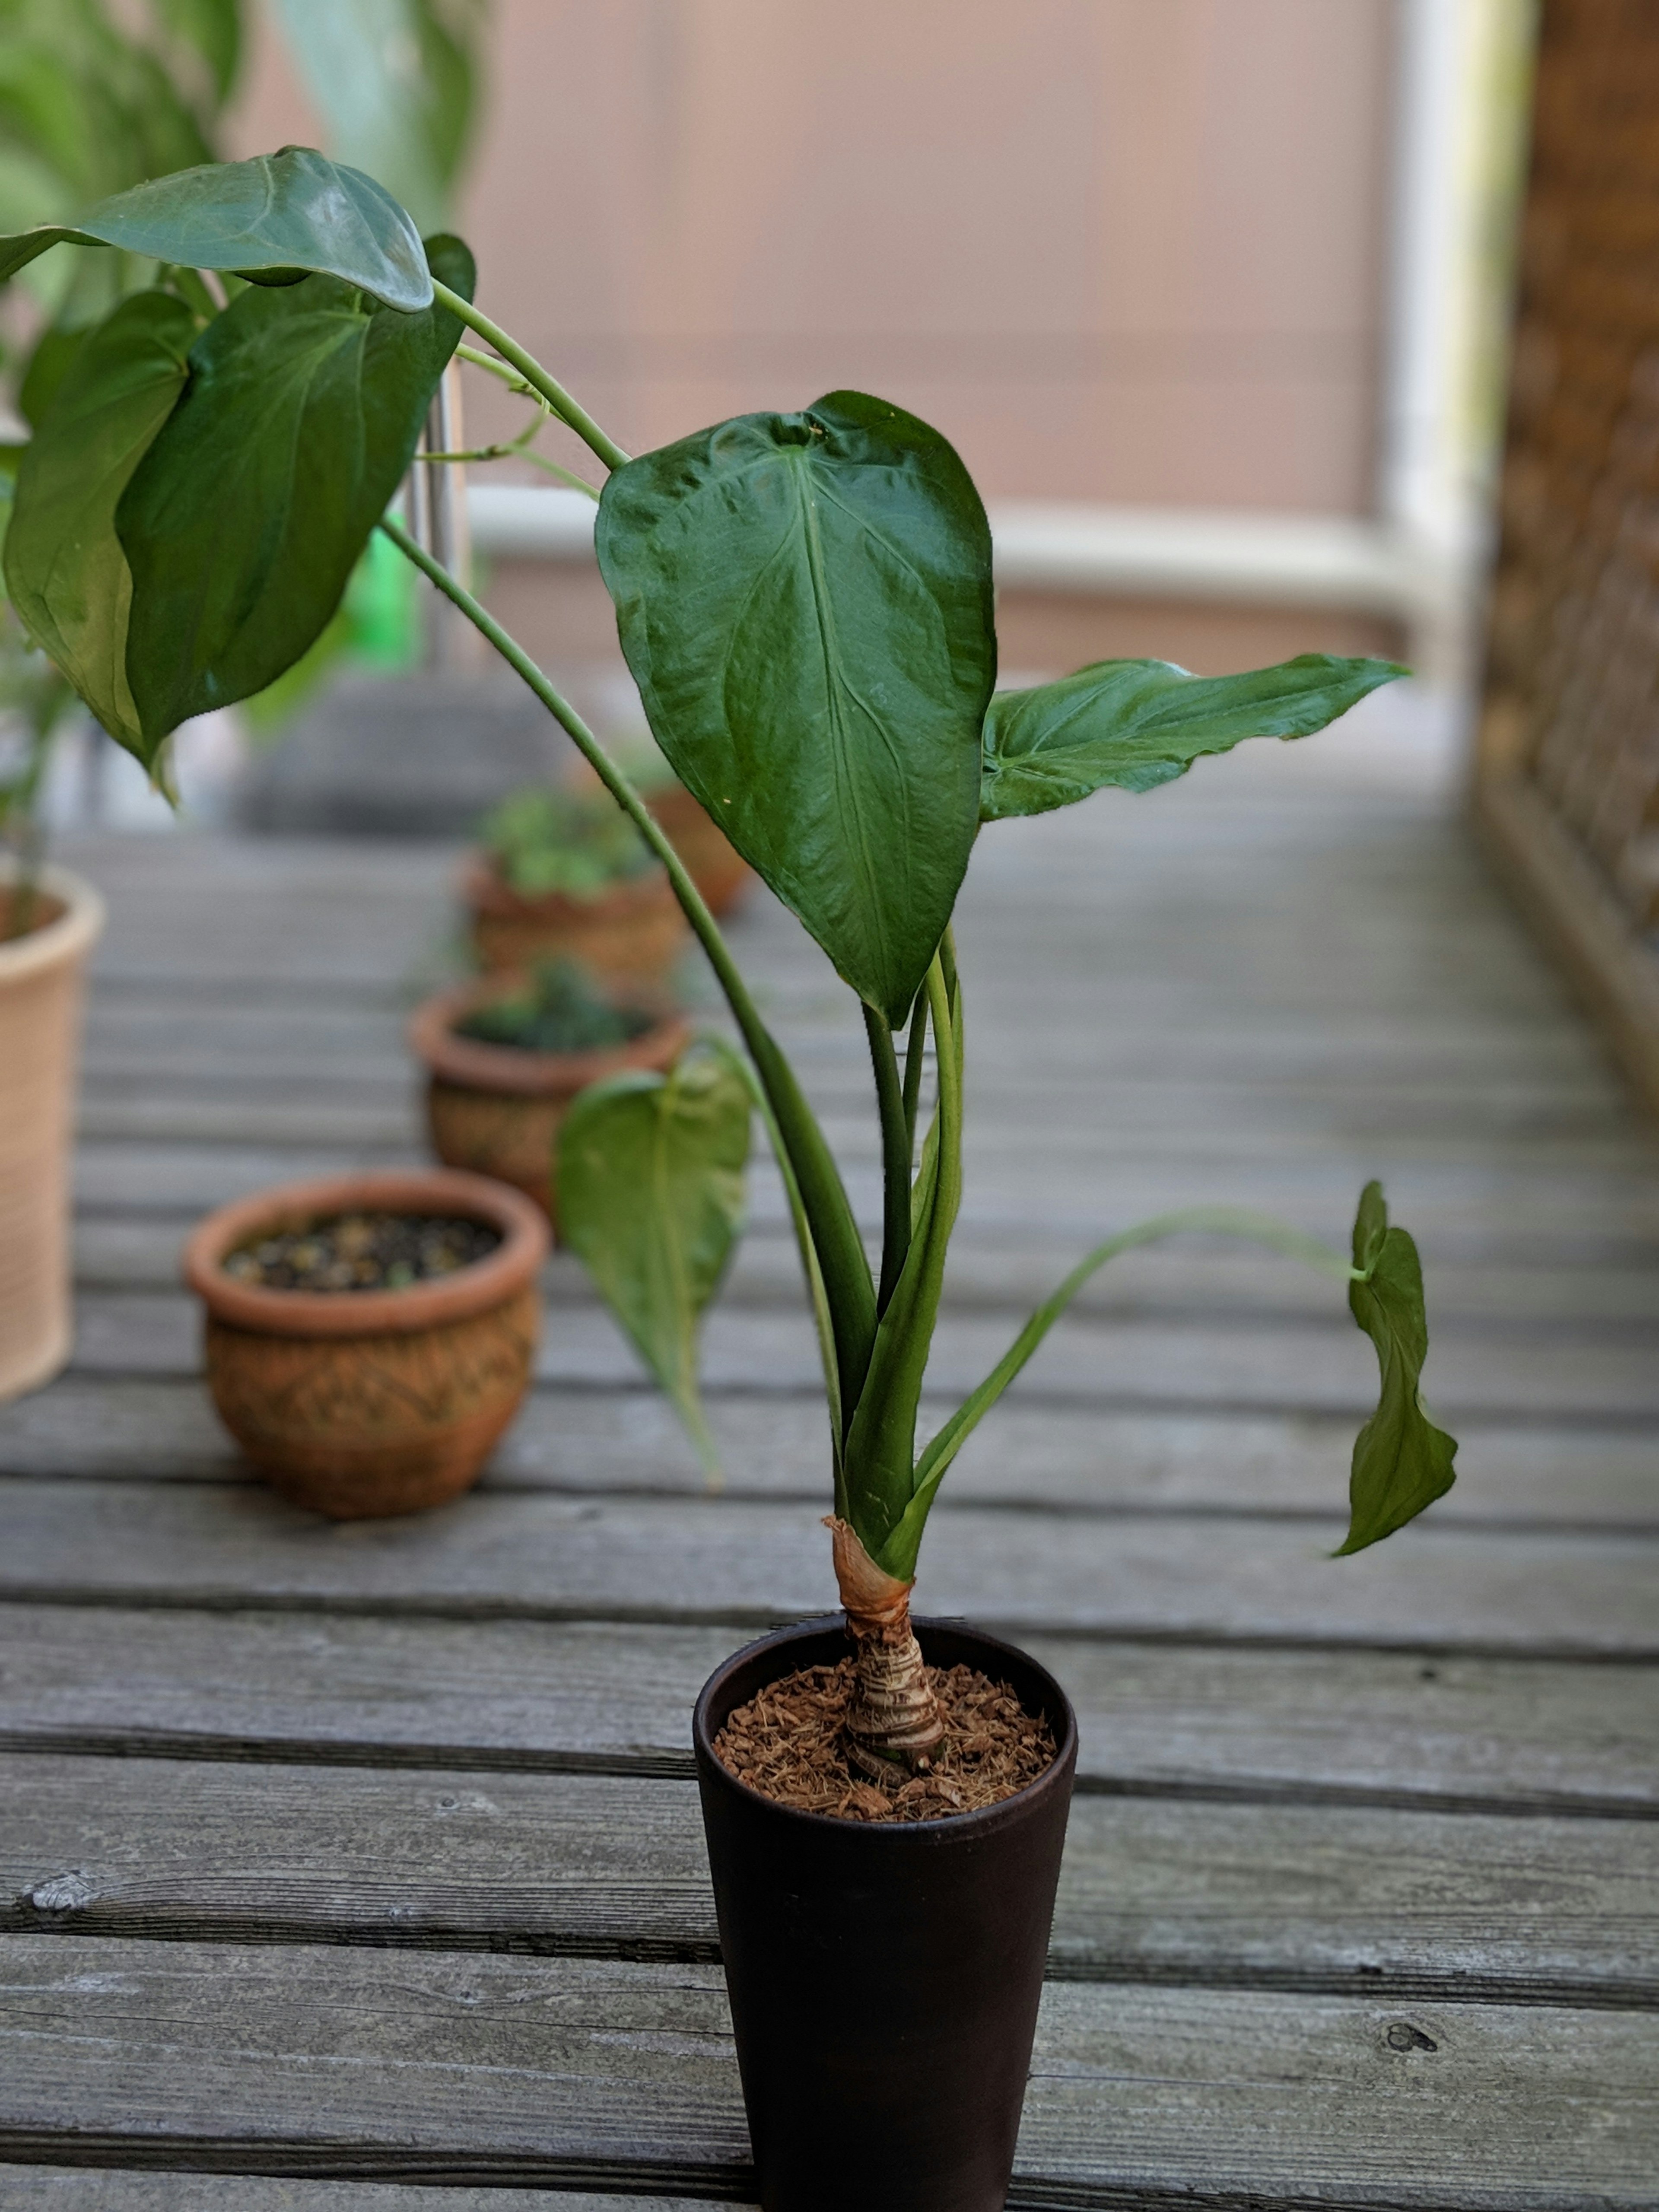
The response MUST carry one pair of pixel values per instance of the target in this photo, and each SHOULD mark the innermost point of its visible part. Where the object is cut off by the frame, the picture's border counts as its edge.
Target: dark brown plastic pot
(883, 1977)
(494, 1109)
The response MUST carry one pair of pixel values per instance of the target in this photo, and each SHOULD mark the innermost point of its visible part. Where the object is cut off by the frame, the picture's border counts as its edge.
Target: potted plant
(369, 1337)
(49, 922)
(505, 1055)
(804, 600)
(562, 872)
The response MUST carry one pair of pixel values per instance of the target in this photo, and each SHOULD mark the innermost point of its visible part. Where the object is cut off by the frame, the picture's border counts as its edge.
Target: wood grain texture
(475, 2068)
(1373, 1903)
(1211, 1724)
(82, 2189)
(1036, 1457)
(1245, 1365)
(752, 1563)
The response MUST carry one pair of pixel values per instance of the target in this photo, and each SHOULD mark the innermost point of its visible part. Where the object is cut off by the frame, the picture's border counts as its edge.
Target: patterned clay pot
(715, 866)
(494, 1109)
(364, 1403)
(630, 934)
(40, 994)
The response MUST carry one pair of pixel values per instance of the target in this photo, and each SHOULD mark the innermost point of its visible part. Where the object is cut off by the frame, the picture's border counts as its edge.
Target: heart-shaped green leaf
(246, 517)
(66, 573)
(805, 601)
(1401, 1461)
(650, 1199)
(1140, 723)
(295, 210)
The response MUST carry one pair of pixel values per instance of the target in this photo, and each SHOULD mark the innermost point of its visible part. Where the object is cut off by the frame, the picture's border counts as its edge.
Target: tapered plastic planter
(883, 1978)
(40, 989)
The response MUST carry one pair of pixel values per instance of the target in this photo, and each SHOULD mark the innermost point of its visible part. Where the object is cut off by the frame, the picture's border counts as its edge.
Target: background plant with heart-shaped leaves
(804, 599)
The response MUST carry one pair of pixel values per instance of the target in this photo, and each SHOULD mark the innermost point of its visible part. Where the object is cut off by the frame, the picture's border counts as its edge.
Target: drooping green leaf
(1401, 1461)
(395, 82)
(805, 601)
(245, 518)
(1141, 723)
(66, 573)
(292, 210)
(650, 1173)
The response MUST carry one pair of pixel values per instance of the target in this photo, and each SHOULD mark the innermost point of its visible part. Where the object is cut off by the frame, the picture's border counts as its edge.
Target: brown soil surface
(787, 1743)
(363, 1252)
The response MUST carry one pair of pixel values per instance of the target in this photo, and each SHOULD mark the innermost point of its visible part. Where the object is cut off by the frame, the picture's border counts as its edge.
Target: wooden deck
(369, 1856)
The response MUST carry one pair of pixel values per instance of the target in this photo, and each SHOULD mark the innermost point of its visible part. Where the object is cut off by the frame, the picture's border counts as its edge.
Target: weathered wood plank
(79, 2189)
(1026, 1457)
(1511, 1215)
(1247, 1364)
(1006, 1271)
(595, 2073)
(1206, 1723)
(548, 1557)
(1373, 1903)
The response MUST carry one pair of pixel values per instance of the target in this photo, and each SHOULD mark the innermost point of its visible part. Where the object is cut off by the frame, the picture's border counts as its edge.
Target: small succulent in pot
(561, 873)
(506, 1055)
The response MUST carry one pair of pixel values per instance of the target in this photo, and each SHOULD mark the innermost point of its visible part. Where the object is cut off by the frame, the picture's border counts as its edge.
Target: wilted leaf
(244, 521)
(66, 573)
(651, 1198)
(805, 603)
(294, 210)
(1138, 723)
(1401, 1461)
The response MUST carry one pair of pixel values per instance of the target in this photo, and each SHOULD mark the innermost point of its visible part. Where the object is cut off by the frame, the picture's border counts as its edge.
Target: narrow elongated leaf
(805, 603)
(1140, 723)
(650, 1199)
(66, 573)
(1401, 1461)
(279, 213)
(244, 520)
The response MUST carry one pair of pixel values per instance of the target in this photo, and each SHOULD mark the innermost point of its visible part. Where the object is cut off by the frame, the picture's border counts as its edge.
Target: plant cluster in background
(546, 840)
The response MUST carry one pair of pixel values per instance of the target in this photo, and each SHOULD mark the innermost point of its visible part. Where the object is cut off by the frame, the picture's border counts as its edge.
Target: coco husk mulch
(787, 1743)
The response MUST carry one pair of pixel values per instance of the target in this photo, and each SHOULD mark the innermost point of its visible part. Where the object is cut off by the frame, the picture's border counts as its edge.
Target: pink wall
(1117, 249)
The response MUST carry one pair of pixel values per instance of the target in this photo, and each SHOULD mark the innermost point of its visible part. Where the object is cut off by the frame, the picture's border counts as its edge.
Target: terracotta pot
(494, 1109)
(715, 866)
(632, 933)
(883, 1975)
(362, 1403)
(40, 992)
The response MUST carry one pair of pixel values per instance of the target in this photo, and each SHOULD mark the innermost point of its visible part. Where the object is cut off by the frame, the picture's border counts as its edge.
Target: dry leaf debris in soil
(787, 1743)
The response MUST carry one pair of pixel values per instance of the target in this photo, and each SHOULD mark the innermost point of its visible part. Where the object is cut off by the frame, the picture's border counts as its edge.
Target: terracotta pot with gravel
(41, 991)
(495, 1109)
(359, 1402)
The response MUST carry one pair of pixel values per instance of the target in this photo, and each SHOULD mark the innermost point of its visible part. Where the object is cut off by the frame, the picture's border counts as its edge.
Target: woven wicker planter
(364, 1403)
(41, 991)
(630, 934)
(495, 1110)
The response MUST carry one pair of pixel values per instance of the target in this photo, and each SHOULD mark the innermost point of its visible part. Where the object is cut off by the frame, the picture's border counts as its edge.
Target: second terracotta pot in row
(494, 1109)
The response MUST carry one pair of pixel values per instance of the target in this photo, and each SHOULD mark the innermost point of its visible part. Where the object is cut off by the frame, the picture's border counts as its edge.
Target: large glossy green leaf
(650, 1199)
(243, 522)
(1401, 1461)
(66, 573)
(1140, 723)
(279, 212)
(805, 603)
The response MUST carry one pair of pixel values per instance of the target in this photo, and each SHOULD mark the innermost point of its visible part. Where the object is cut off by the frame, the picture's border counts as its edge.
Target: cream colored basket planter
(40, 977)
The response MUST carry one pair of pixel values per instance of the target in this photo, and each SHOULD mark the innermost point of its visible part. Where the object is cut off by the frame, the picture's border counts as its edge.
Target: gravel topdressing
(363, 1252)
